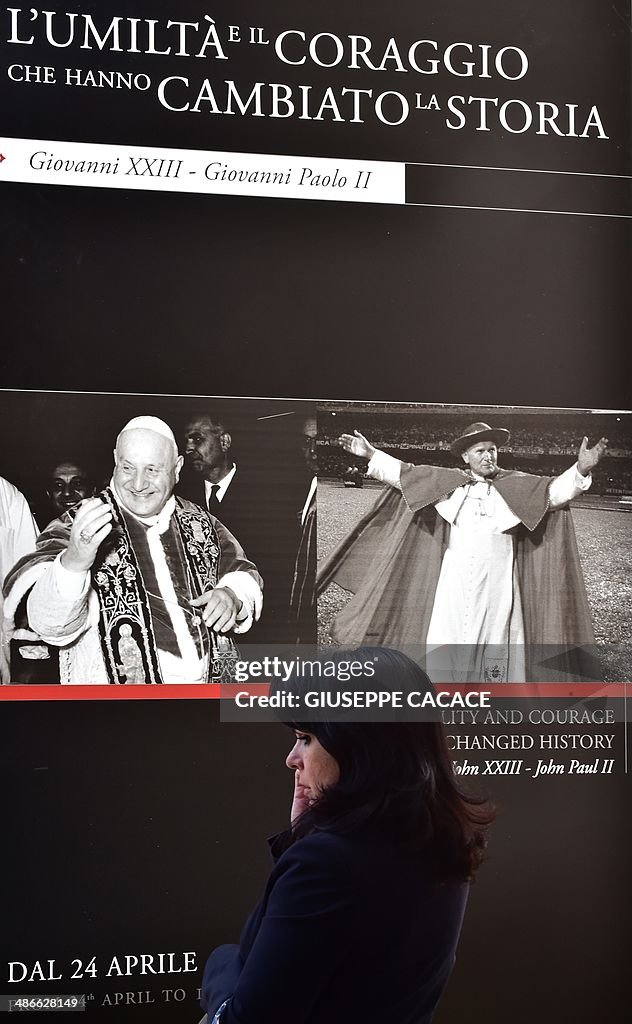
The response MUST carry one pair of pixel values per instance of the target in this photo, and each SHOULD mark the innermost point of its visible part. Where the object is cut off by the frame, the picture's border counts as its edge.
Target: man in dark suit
(257, 492)
(215, 480)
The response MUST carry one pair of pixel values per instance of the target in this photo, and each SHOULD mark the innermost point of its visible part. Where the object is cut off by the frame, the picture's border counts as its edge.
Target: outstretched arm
(577, 479)
(381, 466)
(357, 444)
(587, 458)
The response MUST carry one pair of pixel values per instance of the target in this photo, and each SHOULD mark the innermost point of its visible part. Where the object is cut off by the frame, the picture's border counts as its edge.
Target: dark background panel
(132, 827)
(546, 931)
(577, 52)
(139, 826)
(519, 191)
(111, 291)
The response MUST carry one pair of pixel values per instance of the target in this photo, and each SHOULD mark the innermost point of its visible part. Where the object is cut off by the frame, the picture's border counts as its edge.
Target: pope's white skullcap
(151, 423)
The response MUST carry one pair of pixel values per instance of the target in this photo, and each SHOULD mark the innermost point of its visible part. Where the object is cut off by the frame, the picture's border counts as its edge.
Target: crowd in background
(539, 443)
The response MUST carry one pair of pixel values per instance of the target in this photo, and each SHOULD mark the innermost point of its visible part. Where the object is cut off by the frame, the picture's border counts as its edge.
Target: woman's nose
(293, 759)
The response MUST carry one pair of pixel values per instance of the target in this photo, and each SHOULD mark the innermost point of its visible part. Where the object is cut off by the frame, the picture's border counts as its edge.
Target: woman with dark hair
(361, 915)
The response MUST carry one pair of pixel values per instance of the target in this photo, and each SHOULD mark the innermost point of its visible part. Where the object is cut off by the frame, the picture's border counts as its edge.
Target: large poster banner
(316, 456)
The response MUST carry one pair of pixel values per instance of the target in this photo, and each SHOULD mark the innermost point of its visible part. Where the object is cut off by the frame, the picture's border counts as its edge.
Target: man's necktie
(213, 503)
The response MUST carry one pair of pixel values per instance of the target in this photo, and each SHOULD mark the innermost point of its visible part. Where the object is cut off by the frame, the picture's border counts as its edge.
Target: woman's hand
(300, 801)
(357, 444)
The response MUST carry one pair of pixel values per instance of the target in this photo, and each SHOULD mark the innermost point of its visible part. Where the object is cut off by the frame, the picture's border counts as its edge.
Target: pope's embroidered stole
(136, 619)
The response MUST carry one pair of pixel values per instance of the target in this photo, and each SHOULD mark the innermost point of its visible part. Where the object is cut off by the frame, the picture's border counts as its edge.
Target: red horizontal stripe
(202, 691)
(197, 691)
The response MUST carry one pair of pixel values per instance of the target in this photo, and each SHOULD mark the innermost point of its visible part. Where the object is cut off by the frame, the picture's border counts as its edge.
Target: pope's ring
(86, 537)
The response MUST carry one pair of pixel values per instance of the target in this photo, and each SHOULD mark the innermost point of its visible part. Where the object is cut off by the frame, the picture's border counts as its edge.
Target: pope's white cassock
(477, 613)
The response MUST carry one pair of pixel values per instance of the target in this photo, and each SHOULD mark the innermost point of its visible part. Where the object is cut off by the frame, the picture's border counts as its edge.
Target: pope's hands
(357, 444)
(220, 608)
(91, 526)
(587, 458)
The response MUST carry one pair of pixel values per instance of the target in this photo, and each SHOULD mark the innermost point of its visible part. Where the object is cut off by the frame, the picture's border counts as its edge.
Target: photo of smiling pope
(165, 533)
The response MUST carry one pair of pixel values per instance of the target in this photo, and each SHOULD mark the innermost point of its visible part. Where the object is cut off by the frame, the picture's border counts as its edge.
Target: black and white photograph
(497, 538)
(162, 523)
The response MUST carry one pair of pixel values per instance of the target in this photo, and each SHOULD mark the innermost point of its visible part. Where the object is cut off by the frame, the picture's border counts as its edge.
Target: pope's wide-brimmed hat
(479, 432)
